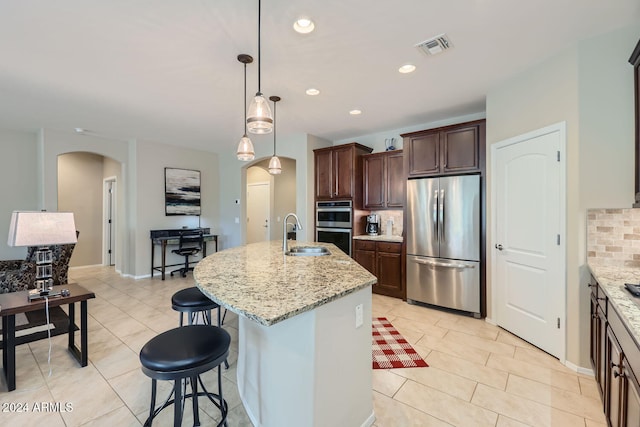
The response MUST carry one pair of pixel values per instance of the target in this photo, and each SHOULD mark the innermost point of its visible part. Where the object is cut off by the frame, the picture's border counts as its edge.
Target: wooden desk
(18, 302)
(164, 241)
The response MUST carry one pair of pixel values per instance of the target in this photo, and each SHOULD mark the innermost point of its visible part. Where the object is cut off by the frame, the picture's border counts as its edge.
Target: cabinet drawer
(394, 248)
(365, 245)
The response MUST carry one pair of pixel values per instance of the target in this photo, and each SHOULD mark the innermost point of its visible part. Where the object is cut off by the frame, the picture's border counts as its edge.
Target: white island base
(313, 369)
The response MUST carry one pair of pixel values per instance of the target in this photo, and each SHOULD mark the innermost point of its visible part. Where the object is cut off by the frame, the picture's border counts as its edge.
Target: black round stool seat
(182, 354)
(181, 349)
(192, 299)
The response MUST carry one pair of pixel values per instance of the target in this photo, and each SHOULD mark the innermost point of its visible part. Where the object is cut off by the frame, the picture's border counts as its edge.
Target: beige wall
(80, 191)
(18, 183)
(588, 87)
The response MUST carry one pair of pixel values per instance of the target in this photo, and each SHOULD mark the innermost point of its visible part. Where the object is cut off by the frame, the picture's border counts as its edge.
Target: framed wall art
(181, 191)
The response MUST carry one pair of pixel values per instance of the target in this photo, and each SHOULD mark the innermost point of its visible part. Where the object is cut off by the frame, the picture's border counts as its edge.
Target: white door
(258, 212)
(528, 247)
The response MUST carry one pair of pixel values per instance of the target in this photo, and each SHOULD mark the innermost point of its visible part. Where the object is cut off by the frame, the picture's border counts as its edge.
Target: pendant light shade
(245, 150)
(275, 168)
(259, 118)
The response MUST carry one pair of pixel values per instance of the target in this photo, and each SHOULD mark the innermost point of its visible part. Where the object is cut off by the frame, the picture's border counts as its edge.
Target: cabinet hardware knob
(498, 247)
(589, 285)
(617, 374)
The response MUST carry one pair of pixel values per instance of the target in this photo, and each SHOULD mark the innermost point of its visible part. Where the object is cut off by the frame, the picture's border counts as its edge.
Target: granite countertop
(380, 238)
(261, 283)
(612, 280)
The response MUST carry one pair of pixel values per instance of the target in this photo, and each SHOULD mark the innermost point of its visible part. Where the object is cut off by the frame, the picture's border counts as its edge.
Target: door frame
(561, 128)
(105, 215)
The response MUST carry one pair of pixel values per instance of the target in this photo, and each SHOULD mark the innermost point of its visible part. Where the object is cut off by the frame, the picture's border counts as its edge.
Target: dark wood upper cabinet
(338, 172)
(384, 180)
(444, 151)
(635, 61)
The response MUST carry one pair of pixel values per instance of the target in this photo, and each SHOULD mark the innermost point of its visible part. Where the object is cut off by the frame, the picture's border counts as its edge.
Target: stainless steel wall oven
(334, 224)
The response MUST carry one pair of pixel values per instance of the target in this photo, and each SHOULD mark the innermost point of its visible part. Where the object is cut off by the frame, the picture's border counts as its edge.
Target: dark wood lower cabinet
(383, 260)
(615, 357)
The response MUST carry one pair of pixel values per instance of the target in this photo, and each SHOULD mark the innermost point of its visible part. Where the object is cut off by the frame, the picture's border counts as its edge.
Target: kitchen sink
(307, 251)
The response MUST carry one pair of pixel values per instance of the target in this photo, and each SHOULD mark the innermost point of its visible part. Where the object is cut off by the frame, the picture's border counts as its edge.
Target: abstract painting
(181, 191)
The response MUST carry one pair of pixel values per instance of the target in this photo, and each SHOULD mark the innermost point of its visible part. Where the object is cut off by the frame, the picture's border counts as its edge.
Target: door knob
(499, 247)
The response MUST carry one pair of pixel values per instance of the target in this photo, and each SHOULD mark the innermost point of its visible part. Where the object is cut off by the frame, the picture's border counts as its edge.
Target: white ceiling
(166, 70)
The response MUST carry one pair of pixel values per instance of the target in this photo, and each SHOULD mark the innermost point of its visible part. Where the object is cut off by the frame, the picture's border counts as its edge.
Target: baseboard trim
(579, 369)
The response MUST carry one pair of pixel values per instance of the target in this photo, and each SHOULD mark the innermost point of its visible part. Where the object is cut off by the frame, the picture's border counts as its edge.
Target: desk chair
(191, 242)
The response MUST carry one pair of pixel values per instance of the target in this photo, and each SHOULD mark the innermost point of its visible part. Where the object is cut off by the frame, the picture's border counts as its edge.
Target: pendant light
(259, 118)
(245, 146)
(274, 164)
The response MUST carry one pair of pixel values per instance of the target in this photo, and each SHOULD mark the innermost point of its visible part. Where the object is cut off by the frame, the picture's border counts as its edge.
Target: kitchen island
(302, 361)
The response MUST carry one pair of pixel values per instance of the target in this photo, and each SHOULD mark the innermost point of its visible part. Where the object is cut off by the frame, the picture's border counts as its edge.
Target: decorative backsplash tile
(395, 216)
(613, 237)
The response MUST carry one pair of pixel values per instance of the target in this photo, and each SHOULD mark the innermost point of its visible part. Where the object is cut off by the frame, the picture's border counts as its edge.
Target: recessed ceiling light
(355, 112)
(407, 68)
(304, 25)
(312, 91)
(80, 130)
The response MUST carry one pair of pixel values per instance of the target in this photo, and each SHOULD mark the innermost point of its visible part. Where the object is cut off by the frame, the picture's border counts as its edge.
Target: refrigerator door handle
(442, 264)
(435, 214)
(441, 216)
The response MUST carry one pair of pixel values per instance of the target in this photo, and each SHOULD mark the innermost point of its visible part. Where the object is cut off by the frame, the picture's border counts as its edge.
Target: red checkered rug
(390, 349)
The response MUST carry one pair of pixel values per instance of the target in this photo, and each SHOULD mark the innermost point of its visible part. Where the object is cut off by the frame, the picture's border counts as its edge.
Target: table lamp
(42, 229)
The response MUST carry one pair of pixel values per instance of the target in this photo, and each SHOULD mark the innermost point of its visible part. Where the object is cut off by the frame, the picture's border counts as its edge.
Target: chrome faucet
(285, 243)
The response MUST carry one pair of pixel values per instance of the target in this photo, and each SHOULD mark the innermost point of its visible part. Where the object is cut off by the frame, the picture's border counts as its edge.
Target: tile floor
(479, 374)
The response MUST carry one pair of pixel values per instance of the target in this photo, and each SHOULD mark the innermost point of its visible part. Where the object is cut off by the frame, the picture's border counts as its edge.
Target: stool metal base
(181, 397)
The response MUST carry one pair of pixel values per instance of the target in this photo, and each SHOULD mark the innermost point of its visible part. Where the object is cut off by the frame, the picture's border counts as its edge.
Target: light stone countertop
(379, 238)
(612, 280)
(261, 283)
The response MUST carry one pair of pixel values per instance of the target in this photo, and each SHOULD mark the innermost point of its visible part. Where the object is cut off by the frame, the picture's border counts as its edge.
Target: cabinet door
(324, 174)
(374, 182)
(424, 155)
(613, 385)
(343, 172)
(460, 149)
(389, 269)
(595, 335)
(631, 398)
(367, 259)
(395, 180)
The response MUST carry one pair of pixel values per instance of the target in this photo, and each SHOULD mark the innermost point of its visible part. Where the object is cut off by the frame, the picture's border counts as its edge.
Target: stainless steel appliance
(373, 225)
(334, 224)
(443, 242)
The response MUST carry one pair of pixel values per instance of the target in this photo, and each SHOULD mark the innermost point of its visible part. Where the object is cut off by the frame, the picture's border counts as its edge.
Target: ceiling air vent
(435, 45)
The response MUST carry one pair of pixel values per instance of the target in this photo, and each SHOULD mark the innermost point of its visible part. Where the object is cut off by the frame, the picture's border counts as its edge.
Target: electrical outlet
(359, 315)
(237, 220)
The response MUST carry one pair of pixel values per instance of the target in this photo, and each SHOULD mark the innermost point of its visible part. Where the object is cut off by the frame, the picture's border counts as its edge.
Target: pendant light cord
(274, 128)
(245, 99)
(259, 55)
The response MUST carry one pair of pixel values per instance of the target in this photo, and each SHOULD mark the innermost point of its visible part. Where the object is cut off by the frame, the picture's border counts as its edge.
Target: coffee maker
(373, 224)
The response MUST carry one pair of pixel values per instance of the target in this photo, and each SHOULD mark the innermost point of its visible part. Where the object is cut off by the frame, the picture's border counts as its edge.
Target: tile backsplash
(396, 216)
(613, 237)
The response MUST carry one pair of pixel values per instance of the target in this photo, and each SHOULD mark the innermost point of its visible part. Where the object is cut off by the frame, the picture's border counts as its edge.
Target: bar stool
(192, 301)
(184, 353)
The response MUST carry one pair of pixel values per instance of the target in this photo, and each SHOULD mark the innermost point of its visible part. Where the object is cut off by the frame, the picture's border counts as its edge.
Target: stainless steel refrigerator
(443, 242)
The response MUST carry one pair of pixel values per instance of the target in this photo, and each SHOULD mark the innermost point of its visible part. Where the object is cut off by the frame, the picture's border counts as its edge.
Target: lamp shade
(41, 228)
(259, 117)
(275, 167)
(245, 150)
